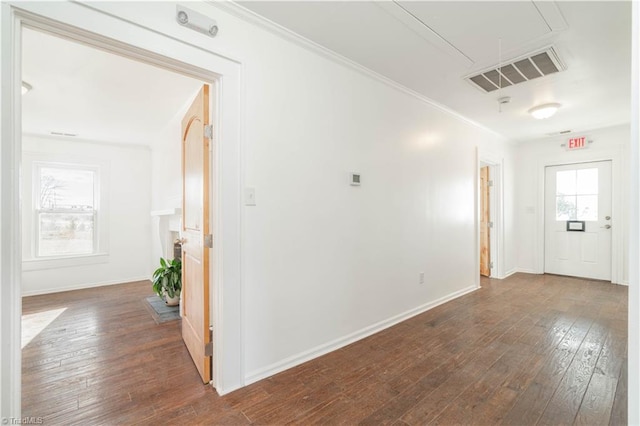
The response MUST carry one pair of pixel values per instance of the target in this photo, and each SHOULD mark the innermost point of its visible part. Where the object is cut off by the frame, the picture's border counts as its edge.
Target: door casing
(552, 264)
(617, 212)
(120, 34)
(485, 191)
(495, 162)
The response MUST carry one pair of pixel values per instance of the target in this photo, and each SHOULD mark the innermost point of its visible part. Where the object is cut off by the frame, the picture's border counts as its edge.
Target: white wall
(511, 243)
(324, 260)
(166, 185)
(608, 143)
(128, 207)
(302, 289)
(166, 182)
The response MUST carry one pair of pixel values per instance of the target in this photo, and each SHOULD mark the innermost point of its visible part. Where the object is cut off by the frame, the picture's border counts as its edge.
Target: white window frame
(38, 210)
(575, 194)
(32, 163)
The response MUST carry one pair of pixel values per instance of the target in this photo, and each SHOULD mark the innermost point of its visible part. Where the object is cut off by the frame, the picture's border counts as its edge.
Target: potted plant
(167, 281)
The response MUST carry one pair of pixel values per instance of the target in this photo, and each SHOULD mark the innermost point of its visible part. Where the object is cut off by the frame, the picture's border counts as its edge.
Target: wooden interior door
(485, 253)
(195, 226)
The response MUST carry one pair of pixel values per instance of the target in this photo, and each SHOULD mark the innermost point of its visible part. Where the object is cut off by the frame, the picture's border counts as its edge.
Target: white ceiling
(97, 95)
(431, 46)
(426, 46)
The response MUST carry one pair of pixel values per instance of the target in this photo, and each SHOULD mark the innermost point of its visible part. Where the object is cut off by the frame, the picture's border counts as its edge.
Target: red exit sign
(577, 143)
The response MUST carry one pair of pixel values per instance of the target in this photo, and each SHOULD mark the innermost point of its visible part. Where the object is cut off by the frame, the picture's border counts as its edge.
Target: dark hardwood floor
(531, 349)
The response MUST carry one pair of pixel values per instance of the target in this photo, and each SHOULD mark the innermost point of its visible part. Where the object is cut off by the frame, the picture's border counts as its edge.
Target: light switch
(249, 196)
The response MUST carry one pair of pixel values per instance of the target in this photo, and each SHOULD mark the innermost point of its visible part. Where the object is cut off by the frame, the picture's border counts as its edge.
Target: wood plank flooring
(531, 349)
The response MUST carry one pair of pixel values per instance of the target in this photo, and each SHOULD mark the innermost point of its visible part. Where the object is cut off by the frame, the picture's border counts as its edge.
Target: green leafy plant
(168, 278)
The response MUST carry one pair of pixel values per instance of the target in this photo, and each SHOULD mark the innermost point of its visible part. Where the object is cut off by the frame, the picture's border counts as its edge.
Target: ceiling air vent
(518, 71)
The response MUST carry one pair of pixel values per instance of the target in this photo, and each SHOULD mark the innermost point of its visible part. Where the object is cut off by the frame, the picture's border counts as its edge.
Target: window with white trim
(577, 194)
(66, 201)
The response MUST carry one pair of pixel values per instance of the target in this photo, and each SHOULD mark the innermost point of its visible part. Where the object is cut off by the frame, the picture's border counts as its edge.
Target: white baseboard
(528, 271)
(515, 271)
(531, 271)
(509, 273)
(333, 345)
(82, 286)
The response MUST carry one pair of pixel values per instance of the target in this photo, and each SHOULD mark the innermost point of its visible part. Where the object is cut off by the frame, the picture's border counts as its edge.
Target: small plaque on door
(575, 225)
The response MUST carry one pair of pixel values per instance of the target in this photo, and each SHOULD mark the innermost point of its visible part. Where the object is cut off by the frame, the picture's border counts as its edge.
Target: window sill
(64, 262)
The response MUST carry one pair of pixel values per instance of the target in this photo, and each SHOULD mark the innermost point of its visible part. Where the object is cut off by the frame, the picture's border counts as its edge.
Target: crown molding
(251, 17)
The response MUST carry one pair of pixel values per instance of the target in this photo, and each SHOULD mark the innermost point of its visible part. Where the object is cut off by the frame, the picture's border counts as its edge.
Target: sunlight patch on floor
(33, 324)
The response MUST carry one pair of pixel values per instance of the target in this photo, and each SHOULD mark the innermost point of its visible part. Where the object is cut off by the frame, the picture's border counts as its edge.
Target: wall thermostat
(355, 179)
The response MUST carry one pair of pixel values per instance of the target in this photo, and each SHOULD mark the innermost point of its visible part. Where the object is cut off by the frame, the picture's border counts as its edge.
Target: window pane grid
(577, 195)
(63, 234)
(66, 214)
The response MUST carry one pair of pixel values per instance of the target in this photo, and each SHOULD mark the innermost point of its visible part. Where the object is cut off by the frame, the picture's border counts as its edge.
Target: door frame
(496, 212)
(493, 249)
(617, 211)
(549, 177)
(116, 31)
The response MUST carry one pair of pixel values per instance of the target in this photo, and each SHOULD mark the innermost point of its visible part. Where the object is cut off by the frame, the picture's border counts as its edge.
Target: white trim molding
(618, 213)
(85, 286)
(116, 28)
(336, 344)
(633, 417)
(251, 17)
(496, 173)
(511, 272)
(525, 271)
(10, 238)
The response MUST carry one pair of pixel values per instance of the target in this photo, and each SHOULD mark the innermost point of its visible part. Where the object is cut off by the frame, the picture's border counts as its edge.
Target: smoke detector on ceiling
(516, 71)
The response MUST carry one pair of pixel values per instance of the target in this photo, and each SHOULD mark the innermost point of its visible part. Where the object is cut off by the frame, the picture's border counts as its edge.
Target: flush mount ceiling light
(544, 111)
(26, 87)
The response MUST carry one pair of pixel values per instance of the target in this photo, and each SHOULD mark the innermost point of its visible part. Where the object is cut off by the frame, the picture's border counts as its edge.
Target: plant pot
(172, 301)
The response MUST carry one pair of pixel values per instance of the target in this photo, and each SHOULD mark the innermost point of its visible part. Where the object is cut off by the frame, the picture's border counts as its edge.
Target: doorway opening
(578, 219)
(155, 45)
(489, 205)
(101, 148)
(485, 221)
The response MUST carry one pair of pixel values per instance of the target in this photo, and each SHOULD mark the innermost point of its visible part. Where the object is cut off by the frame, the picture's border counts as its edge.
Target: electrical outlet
(421, 277)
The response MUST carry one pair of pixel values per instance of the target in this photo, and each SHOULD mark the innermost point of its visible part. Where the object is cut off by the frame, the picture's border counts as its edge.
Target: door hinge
(208, 131)
(490, 265)
(208, 240)
(490, 183)
(490, 224)
(208, 349)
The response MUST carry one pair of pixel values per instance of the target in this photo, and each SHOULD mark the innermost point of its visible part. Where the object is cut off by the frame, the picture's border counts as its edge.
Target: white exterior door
(578, 220)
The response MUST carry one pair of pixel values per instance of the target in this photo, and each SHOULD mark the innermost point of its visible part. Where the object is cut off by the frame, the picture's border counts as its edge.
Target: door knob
(607, 217)
(606, 226)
